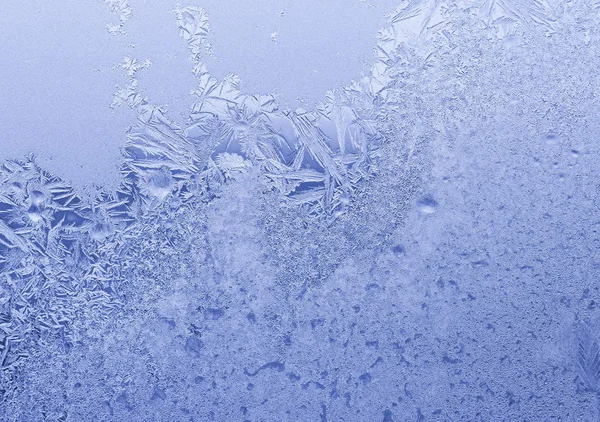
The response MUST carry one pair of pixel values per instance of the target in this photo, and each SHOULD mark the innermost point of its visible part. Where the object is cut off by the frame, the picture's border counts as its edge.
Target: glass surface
(300, 211)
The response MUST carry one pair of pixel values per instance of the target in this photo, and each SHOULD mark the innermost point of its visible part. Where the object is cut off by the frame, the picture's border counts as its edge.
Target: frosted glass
(300, 211)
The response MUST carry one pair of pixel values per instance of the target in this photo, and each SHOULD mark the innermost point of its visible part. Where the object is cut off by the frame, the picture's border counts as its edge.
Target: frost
(333, 155)
(194, 29)
(588, 358)
(230, 164)
(132, 66)
(44, 258)
(123, 9)
(130, 95)
(405, 250)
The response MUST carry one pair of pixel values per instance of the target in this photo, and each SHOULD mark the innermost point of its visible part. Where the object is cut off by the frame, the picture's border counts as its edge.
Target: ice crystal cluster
(421, 246)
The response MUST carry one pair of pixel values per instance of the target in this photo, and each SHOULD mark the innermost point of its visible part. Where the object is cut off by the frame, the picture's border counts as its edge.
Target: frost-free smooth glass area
(414, 239)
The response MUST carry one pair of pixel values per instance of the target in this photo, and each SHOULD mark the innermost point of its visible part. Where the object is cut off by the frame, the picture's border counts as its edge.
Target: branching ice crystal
(124, 10)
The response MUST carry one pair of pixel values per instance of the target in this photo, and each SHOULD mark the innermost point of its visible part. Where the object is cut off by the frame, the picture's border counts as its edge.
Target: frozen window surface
(298, 50)
(56, 85)
(419, 245)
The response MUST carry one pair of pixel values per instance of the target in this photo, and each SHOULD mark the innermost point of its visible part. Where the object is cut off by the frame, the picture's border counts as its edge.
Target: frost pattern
(588, 358)
(50, 270)
(258, 254)
(123, 9)
(194, 28)
(129, 95)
